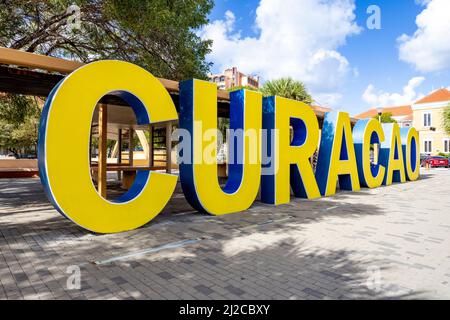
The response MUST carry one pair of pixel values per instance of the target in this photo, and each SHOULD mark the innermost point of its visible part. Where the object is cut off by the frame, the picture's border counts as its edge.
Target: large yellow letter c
(64, 134)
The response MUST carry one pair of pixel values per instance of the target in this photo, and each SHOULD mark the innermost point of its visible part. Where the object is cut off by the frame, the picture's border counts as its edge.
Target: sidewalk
(391, 242)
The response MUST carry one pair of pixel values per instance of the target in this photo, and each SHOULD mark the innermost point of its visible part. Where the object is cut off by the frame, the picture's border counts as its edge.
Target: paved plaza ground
(391, 242)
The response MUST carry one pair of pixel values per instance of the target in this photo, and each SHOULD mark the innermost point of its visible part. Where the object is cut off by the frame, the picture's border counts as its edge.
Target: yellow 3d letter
(64, 138)
(411, 152)
(289, 164)
(198, 171)
(391, 155)
(337, 158)
(365, 134)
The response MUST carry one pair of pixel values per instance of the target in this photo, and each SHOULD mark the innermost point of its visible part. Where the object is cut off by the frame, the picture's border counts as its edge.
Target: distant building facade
(402, 114)
(428, 120)
(232, 77)
(426, 115)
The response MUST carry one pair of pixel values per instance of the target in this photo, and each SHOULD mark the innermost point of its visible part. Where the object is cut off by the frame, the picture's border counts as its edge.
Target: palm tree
(447, 119)
(287, 88)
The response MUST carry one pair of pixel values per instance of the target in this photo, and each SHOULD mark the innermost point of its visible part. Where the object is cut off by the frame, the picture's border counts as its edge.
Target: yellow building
(428, 120)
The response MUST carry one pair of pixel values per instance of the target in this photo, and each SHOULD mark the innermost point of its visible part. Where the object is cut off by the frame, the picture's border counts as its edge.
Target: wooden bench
(18, 168)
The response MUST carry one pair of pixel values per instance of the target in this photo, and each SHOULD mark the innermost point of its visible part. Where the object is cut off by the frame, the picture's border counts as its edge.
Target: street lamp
(380, 112)
(376, 146)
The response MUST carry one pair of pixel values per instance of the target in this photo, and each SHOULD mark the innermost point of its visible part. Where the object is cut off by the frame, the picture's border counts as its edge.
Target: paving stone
(165, 275)
(119, 280)
(203, 289)
(210, 261)
(386, 243)
(235, 290)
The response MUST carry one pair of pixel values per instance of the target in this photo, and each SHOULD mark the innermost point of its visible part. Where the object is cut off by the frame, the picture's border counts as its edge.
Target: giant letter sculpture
(411, 152)
(199, 179)
(365, 134)
(391, 155)
(289, 154)
(337, 158)
(64, 133)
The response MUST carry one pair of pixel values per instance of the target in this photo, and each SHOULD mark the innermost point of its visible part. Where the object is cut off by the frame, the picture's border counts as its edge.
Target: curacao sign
(272, 153)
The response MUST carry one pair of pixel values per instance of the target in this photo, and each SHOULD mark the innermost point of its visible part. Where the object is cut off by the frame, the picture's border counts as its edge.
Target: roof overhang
(432, 105)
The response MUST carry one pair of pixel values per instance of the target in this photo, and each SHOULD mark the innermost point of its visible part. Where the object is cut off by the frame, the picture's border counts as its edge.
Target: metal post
(119, 154)
(150, 147)
(130, 147)
(169, 147)
(102, 142)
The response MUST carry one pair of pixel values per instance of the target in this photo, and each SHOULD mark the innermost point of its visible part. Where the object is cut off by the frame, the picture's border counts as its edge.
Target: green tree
(446, 120)
(287, 88)
(20, 138)
(19, 123)
(158, 35)
(223, 124)
(386, 117)
(240, 88)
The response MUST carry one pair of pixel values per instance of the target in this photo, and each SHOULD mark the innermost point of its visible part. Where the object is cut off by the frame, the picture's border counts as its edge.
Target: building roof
(436, 96)
(395, 111)
(320, 108)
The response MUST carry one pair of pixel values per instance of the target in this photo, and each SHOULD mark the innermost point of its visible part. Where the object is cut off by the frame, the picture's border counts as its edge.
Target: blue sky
(348, 66)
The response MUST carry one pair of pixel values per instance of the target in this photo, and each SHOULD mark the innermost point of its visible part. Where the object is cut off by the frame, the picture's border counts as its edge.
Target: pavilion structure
(32, 74)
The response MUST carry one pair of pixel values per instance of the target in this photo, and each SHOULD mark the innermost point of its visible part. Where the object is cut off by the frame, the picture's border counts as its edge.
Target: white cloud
(384, 99)
(327, 99)
(297, 38)
(428, 50)
(423, 2)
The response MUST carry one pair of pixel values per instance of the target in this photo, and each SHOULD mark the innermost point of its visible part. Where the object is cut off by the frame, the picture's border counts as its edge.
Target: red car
(435, 161)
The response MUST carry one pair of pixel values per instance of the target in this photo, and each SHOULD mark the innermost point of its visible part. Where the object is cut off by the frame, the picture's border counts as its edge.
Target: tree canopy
(232, 89)
(19, 123)
(386, 117)
(287, 88)
(158, 35)
(446, 120)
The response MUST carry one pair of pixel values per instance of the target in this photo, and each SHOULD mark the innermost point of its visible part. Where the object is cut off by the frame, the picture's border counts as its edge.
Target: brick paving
(388, 243)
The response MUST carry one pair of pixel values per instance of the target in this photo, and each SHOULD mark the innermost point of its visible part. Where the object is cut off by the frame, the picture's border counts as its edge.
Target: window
(427, 119)
(447, 145)
(428, 146)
